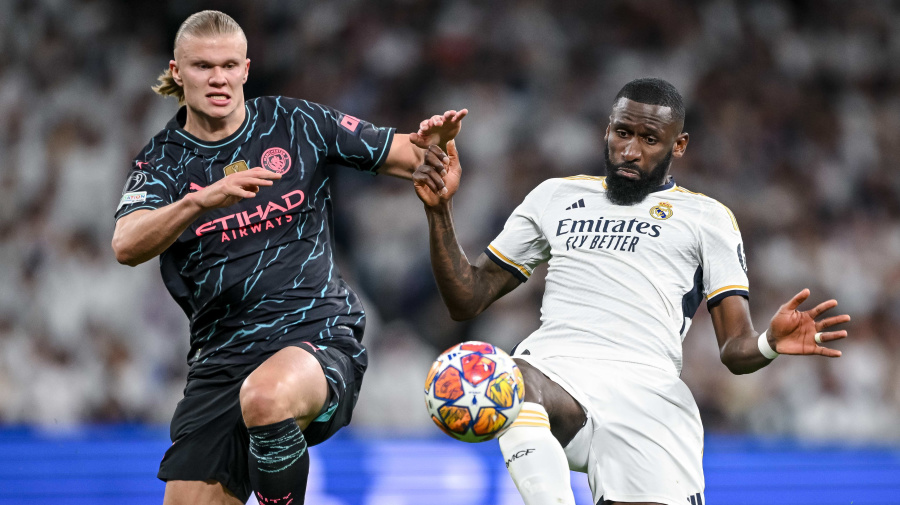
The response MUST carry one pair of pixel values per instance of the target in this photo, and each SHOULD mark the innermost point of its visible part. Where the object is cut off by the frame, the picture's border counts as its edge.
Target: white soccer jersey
(623, 281)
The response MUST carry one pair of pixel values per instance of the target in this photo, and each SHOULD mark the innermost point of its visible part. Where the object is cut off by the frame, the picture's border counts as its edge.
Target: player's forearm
(457, 279)
(403, 158)
(741, 354)
(142, 236)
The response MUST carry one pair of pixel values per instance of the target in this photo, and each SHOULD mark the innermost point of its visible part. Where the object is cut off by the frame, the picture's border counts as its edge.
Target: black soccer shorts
(209, 438)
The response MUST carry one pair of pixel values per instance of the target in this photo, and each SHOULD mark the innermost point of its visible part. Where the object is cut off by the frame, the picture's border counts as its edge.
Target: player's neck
(212, 129)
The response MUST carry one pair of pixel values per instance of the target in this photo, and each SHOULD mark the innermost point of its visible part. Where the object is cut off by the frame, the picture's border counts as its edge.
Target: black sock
(279, 463)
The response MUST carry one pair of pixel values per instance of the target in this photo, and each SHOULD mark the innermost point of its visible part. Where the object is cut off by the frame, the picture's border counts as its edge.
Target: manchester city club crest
(662, 211)
(276, 159)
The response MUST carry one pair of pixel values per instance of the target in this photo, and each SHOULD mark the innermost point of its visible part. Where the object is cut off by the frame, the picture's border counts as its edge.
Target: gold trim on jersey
(726, 288)
(585, 178)
(509, 261)
(730, 214)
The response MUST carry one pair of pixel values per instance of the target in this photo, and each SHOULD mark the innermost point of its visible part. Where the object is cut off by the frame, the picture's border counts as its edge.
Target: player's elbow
(735, 369)
(462, 315)
(124, 254)
(735, 366)
(463, 312)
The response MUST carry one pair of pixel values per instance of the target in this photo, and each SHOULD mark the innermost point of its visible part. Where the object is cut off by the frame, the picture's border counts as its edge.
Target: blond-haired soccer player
(233, 196)
(631, 256)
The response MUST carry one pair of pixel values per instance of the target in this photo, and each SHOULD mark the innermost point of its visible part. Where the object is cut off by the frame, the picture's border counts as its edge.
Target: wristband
(764, 347)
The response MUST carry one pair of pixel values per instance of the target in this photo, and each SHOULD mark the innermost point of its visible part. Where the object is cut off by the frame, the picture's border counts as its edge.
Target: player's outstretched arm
(467, 289)
(145, 234)
(790, 332)
(406, 153)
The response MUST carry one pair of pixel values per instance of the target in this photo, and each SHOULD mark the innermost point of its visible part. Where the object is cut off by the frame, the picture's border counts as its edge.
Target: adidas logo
(576, 205)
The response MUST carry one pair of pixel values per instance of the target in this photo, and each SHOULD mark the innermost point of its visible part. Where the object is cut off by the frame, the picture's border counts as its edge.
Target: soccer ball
(474, 391)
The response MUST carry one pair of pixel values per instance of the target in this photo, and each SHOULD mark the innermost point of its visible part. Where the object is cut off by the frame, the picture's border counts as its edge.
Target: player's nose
(631, 151)
(217, 76)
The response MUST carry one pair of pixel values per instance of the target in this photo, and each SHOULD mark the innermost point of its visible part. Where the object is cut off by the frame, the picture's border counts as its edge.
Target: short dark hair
(654, 91)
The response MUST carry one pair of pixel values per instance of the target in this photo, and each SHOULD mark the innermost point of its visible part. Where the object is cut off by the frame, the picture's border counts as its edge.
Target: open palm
(795, 331)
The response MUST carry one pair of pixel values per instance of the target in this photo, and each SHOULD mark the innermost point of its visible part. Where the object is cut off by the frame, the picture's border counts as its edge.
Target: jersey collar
(669, 184)
(176, 125)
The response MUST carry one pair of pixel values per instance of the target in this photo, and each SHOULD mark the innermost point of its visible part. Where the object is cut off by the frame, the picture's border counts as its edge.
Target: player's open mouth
(218, 98)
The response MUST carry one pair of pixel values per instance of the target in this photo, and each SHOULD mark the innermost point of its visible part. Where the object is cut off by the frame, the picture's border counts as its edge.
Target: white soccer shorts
(643, 440)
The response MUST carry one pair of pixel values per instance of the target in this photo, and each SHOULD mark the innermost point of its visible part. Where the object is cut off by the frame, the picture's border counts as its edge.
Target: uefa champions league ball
(474, 391)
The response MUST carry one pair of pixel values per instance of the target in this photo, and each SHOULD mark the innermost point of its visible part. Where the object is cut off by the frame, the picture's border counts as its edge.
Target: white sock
(535, 460)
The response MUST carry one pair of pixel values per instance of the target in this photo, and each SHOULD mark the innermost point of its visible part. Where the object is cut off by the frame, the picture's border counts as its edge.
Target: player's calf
(284, 394)
(534, 459)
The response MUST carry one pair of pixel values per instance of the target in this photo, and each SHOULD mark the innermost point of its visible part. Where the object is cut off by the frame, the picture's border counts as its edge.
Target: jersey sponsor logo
(349, 123)
(520, 454)
(135, 182)
(662, 211)
(611, 234)
(243, 224)
(130, 198)
(741, 258)
(237, 166)
(277, 160)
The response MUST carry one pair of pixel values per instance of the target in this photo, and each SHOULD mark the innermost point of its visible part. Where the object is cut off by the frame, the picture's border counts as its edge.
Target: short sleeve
(349, 141)
(147, 187)
(724, 262)
(522, 245)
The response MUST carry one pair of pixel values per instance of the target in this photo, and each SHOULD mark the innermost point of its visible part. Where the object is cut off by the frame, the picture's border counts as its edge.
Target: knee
(262, 403)
(533, 381)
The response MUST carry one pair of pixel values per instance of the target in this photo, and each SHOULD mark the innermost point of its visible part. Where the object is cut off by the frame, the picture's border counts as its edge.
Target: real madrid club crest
(662, 211)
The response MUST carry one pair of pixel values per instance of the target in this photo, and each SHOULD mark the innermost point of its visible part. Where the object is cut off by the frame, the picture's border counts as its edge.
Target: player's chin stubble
(624, 191)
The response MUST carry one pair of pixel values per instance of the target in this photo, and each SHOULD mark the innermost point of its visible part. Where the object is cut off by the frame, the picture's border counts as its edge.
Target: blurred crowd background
(794, 116)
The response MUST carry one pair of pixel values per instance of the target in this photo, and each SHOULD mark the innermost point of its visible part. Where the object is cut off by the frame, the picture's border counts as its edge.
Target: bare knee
(261, 403)
(290, 384)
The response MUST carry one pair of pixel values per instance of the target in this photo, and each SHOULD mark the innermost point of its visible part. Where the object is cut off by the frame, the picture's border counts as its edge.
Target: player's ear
(176, 75)
(246, 71)
(606, 134)
(681, 143)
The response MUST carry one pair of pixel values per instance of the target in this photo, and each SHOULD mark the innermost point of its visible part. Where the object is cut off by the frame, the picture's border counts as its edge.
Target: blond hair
(201, 24)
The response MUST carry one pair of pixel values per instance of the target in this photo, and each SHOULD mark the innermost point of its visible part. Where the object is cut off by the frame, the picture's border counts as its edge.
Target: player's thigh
(290, 383)
(565, 413)
(196, 492)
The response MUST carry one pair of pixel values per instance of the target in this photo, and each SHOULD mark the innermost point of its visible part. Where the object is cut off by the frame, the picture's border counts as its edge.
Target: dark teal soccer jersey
(260, 274)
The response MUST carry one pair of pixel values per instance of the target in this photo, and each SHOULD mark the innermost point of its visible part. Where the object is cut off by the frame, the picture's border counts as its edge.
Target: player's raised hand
(234, 188)
(438, 178)
(439, 129)
(796, 332)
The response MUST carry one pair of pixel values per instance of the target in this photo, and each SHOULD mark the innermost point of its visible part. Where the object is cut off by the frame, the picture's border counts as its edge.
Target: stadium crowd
(794, 116)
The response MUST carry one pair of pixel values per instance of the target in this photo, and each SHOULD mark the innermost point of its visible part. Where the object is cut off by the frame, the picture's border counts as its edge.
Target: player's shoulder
(157, 152)
(574, 182)
(564, 185)
(707, 205)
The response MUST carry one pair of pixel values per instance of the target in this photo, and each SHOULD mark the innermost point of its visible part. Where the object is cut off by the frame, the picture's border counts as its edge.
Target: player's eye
(650, 140)
(622, 133)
